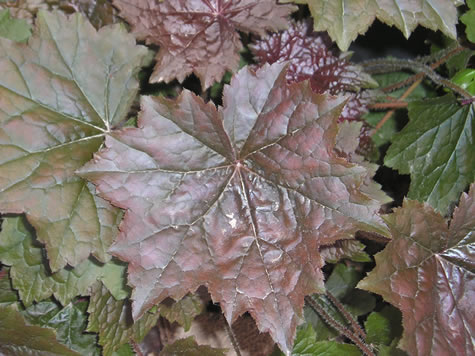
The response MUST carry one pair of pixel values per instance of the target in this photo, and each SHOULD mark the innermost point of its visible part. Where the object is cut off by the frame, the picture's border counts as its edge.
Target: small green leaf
(306, 345)
(468, 19)
(384, 326)
(112, 319)
(437, 148)
(342, 280)
(465, 79)
(69, 323)
(18, 338)
(30, 273)
(183, 311)
(17, 30)
(189, 347)
(7, 294)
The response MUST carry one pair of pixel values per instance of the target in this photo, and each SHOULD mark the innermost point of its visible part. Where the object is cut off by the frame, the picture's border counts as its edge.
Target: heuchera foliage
(427, 271)
(237, 198)
(200, 36)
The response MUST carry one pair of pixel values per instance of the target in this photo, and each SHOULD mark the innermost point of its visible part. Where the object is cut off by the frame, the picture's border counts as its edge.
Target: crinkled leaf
(428, 272)
(189, 347)
(384, 326)
(69, 323)
(346, 19)
(61, 93)
(311, 56)
(30, 273)
(437, 148)
(468, 19)
(18, 338)
(200, 36)
(112, 320)
(183, 311)
(306, 345)
(237, 199)
(14, 29)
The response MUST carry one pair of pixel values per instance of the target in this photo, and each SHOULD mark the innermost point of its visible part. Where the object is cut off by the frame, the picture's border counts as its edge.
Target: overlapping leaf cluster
(249, 199)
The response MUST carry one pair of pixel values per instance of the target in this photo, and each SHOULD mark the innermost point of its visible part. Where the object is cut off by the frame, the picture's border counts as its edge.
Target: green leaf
(7, 294)
(183, 311)
(124, 350)
(437, 149)
(18, 338)
(384, 326)
(30, 273)
(69, 323)
(189, 347)
(468, 19)
(342, 280)
(385, 134)
(465, 79)
(63, 93)
(14, 29)
(306, 345)
(112, 319)
(345, 19)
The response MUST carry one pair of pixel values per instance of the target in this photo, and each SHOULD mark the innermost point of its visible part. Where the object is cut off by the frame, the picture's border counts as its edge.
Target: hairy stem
(392, 65)
(354, 324)
(337, 326)
(390, 105)
(232, 337)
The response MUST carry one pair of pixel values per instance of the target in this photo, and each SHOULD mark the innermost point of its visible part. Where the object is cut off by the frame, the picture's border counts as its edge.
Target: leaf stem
(232, 337)
(391, 105)
(337, 326)
(354, 324)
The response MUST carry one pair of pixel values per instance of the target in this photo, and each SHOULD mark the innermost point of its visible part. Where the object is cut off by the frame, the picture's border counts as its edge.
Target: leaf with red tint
(200, 36)
(238, 199)
(428, 272)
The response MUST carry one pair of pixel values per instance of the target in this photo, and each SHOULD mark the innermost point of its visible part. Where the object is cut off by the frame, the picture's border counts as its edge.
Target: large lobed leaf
(238, 198)
(345, 19)
(428, 272)
(200, 36)
(437, 148)
(60, 94)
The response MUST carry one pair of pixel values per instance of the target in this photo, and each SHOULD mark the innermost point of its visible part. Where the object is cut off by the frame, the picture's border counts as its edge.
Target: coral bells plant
(185, 177)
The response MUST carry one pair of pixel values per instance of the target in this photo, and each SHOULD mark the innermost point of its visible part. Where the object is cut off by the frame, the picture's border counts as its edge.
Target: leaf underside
(428, 272)
(238, 199)
(61, 93)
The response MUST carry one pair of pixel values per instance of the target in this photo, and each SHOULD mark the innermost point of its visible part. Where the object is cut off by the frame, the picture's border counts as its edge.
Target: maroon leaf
(428, 272)
(238, 198)
(200, 36)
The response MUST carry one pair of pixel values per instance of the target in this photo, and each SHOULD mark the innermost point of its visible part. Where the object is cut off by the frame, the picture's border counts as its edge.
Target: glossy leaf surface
(200, 36)
(345, 19)
(437, 148)
(61, 93)
(238, 199)
(428, 272)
